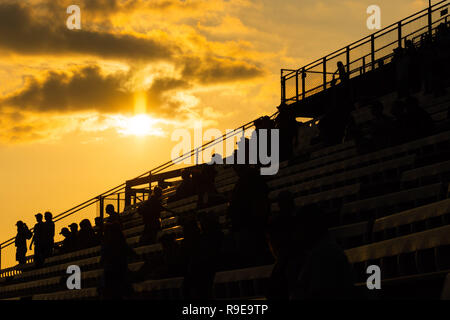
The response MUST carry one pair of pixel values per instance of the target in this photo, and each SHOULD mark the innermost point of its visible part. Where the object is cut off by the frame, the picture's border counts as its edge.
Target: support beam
(102, 209)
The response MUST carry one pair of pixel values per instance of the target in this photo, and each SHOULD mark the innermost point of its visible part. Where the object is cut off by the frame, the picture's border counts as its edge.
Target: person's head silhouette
(85, 224)
(157, 192)
(98, 221)
(73, 227)
(48, 216)
(19, 224)
(110, 209)
(38, 217)
(65, 232)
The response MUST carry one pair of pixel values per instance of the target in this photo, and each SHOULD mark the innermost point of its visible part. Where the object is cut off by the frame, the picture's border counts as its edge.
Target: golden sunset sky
(72, 101)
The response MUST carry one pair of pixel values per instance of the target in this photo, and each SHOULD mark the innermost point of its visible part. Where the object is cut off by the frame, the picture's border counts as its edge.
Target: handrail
(155, 170)
(368, 37)
(304, 89)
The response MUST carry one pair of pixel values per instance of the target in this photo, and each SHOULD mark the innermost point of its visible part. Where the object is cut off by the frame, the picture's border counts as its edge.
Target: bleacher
(409, 235)
(389, 207)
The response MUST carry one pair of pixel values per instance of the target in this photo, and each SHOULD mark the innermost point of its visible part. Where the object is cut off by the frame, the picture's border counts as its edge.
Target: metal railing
(361, 55)
(114, 193)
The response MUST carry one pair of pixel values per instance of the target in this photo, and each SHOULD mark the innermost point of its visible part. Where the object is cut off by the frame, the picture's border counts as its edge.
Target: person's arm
(32, 240)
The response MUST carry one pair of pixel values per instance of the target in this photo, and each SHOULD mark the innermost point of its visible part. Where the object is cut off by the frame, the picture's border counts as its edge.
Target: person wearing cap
(66, 245)
(39, 241)
(23, 234)
(73, 236)
(49, 234)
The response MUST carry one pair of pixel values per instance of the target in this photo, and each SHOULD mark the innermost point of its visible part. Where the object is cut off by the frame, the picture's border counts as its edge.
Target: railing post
(283, 88)
(399, 29)
(127, 196)
(303, 82)
(372, 51)
(118, 202)
(149, 185)
(102, 211)
(430, 21)
(347, 57)
(296, 86)
(324, 73)
(0, 257)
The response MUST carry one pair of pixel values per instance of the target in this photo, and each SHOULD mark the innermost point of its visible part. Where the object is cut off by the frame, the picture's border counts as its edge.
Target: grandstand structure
(389, 207)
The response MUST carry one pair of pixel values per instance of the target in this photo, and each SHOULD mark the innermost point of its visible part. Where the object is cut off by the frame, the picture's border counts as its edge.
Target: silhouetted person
(114, 259)
(66, 245)
(190, 245)
(216, 159)
(402, 63)
(204, 258)
(279, 234)
(440, 60)
(113, 215)
(414, 72)
(186, 187)
(206, 189)
(281, 221)
(333, 125)
(23, 234)
(248, 212)
(151, 214)
(39, 240)
(98, 228)
(86, 236)
(288, 126)
(172, 264)
(74, 236)
(343, 74)
(428, 53)
(320, 268)
(265, 123)
(49, 234)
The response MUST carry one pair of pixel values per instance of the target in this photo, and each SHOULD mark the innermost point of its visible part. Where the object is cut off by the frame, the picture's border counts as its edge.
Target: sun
(139, 125)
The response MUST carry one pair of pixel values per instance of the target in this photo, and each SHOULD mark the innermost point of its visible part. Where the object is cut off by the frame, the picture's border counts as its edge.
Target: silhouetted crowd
(43, 234)
(308, 263)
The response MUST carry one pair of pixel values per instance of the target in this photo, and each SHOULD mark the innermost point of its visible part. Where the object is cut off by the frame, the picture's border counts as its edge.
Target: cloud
(22, 32)
(84, 89)
(88, 89)
(213, 70)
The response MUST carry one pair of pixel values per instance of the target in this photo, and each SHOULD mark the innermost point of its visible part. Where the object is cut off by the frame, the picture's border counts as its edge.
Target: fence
(361, 55)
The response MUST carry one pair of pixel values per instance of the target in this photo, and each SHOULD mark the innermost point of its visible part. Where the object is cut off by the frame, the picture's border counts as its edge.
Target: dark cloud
(213, 70)
(88, 89)
(85, 89)
(22, 33)
(157, 96)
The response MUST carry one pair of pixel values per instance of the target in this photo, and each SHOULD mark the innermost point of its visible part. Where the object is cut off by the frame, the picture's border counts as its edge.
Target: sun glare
(138, 125)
